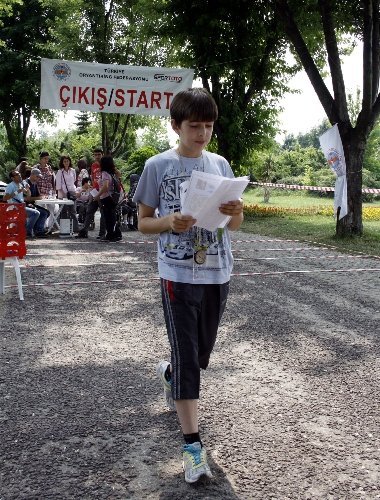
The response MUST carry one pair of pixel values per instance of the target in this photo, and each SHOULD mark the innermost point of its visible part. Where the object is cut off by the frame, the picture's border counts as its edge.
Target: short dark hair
(12, 173)
(44, 153)
(195, 104)
(85, 180)
(107, 164)
(98, 150)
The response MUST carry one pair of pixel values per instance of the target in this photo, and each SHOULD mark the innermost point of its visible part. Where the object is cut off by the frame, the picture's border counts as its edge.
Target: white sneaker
(195, 462)
(161, 369)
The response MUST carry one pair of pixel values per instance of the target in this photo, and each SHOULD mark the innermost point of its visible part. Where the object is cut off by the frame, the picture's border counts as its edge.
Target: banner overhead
(109, 88)
(332, 147)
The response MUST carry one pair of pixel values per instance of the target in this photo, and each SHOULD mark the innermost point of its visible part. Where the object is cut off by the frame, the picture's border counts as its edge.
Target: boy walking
(194, 264)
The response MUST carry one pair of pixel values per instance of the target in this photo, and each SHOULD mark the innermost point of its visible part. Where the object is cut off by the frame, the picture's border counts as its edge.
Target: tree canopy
(236, 51)
(25, 36)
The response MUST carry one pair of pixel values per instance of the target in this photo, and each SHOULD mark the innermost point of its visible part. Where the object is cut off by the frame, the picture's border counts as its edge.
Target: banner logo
(61, 71)
(168, 78)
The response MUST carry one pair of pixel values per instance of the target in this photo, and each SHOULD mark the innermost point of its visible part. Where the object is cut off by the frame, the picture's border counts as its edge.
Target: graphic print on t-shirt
(180, 246)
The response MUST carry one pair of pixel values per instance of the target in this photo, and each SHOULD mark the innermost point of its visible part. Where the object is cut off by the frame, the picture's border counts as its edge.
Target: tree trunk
(121, 141)
(112, 141)
(354, 148)
(105, 136)
(223, 142)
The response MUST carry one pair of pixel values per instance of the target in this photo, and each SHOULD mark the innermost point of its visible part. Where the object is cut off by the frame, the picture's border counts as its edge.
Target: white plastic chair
(16, 266)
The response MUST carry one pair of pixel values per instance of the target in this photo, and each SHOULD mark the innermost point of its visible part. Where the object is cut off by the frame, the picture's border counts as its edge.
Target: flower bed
(369, 213)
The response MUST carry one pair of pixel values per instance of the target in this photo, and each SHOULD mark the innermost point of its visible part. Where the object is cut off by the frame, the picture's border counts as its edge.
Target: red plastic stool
(12, 241)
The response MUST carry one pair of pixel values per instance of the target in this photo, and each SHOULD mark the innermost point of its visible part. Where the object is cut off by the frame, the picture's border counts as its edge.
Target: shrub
(137, 159)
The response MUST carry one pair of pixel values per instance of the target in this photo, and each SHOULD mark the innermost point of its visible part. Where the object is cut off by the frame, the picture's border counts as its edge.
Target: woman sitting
(83, 198)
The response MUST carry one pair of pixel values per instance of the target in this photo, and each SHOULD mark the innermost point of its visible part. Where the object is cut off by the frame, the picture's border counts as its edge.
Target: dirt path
(290, 404)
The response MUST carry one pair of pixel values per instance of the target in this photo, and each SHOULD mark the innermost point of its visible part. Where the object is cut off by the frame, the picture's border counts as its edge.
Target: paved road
(290, 403)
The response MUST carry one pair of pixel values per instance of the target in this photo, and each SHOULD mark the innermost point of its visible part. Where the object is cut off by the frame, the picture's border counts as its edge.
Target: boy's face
(193, 137)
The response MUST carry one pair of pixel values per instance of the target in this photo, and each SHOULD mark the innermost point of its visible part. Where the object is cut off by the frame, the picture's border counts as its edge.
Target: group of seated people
(19, 191)
(86, 189)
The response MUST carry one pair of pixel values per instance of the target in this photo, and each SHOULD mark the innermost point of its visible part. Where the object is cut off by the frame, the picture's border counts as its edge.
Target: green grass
(315, 228)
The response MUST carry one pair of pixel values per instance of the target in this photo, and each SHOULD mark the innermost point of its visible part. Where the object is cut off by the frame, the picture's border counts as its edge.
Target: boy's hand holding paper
(231, 208)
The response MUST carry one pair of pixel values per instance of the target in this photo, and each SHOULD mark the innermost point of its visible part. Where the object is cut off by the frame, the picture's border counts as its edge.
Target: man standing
(95, 167)
(46, 183)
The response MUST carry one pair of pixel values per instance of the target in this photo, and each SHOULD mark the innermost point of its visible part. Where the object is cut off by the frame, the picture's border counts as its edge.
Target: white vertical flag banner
(110, 88)
(332, 148)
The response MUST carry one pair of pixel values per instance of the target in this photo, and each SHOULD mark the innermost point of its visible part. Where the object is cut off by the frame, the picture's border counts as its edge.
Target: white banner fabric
(109, 88)
(332, 148)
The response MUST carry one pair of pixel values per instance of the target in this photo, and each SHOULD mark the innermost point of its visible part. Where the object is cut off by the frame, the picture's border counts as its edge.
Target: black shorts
(192, 315)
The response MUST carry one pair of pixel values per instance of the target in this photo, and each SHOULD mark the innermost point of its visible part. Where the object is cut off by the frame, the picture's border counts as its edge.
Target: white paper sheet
(203, 194)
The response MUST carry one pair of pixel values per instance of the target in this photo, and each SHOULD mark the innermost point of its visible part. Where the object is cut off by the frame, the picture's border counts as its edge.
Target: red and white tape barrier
(325, 189)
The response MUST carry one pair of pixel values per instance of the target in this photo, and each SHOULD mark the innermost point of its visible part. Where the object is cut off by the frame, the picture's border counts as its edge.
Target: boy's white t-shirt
(158, 188)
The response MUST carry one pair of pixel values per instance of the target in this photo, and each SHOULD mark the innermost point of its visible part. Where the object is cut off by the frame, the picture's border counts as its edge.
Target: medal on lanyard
(200, 256)
(200, 251)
